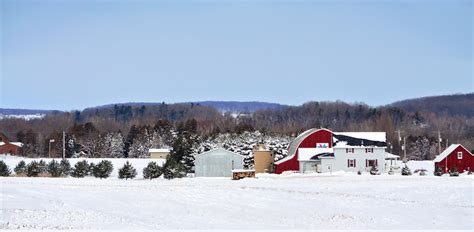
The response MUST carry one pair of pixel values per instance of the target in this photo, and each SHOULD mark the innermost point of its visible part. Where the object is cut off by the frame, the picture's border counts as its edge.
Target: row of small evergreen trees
(171, 169)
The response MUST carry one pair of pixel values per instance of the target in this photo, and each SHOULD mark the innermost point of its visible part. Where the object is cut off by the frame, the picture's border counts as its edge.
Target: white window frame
(350, 150)
(459, 154)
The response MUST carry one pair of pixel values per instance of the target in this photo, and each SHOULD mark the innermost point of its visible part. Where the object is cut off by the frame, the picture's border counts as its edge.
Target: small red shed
(455, 157)
(7, 147)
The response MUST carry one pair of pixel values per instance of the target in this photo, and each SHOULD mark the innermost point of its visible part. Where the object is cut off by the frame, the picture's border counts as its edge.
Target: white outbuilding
(217, 163)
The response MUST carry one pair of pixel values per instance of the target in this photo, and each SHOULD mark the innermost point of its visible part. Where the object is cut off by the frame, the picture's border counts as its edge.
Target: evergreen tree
(103, 169)
(152, 171)
(81, 169)
(406, 171)
(90, 169)
(113, 145)
(65, 167)
(127, 171)
(33, 169)
(183, 150)
(4, 169)
(438, 171)
(43, 166)
(173, 169)
(20, 168)
(374, 171)
(454, 172)
(54, 168)
(391, 172)
(141, 144)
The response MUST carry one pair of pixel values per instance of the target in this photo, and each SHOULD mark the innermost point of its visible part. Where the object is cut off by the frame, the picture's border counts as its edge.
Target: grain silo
(263, 159)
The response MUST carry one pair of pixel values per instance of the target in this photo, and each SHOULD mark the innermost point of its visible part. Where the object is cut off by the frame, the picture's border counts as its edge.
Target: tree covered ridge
(128, 131)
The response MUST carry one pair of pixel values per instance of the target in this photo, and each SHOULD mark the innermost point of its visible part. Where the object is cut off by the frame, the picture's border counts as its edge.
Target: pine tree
(20, 168)
(438, 171)
(454, 172)
(152, 171)
(81, 169)
(183, 150)
(103, 169)
(43, 166)
(90, 169)
(374, 171)
(141, 144)
(127, 171)
(65, 167)
(173, 169)
(406, 171)
(4, 169)
(33, 169)
(54, 168)
(113, 145)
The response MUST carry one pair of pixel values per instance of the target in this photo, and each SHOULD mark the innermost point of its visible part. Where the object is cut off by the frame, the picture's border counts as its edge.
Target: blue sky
(74, 54)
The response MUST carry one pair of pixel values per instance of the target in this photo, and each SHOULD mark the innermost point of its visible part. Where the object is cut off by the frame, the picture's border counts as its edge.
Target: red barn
(455, 157)
(7, 147)
(307, 139)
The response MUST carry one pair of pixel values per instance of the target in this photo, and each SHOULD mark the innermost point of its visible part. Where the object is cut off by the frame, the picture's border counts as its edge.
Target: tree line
(128, 131)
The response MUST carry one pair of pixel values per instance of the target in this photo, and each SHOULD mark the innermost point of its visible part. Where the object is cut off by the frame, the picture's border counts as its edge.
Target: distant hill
(237, 107)
(452, 105)
(25, 112)
(221, 106)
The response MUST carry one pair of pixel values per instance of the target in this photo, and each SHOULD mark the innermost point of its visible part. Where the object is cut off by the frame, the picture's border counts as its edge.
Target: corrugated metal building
(217, 163)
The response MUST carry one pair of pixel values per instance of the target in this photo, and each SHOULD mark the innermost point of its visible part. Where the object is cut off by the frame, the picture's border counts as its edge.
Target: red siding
(452, 161)
(319, 136)
(9, 148)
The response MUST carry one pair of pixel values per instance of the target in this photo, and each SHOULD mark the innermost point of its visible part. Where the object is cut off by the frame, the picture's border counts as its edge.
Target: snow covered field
(337, 201)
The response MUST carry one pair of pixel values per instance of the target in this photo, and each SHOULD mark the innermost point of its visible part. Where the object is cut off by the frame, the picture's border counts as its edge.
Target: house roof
(448, 151)
(391, 156)
(359, 139)
(372, 136)
(305, 154)
(219, 151)
(18, 144)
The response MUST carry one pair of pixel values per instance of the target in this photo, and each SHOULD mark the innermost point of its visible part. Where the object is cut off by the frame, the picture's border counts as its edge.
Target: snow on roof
(18, 144)
(305, 154)
(373, 136)
(448, 151)
(158, 150)
(219, 151)
(391, 156)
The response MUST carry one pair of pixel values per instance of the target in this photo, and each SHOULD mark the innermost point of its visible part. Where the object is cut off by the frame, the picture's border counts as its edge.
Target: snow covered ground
(336, 201)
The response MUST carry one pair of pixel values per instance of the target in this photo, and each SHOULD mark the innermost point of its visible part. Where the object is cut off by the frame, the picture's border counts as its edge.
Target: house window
(369, 150)
(351, 163)
(349, 150)
(460, 155)
(371, 163)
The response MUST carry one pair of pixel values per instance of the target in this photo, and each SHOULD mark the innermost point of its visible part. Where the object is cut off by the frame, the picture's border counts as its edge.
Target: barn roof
(295, 144)
(448, 151)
